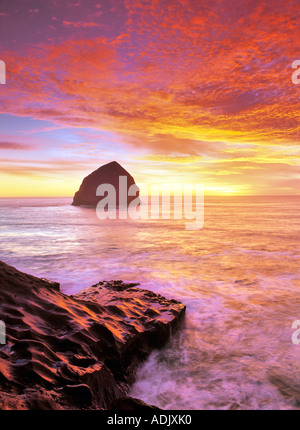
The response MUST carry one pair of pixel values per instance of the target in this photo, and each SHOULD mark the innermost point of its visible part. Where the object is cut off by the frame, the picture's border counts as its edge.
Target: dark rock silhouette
(131, 404)
(80, 351)
(108, 174)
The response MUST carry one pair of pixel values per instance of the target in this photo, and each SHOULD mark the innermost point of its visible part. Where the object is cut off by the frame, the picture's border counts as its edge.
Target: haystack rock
(112, 173)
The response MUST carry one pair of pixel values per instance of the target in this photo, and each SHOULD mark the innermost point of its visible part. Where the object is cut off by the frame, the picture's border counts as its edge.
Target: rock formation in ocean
(108, 174)
(80, 351)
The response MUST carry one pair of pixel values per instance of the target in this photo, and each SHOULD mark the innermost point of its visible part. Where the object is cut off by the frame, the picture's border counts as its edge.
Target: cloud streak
(173, 79)
(16, 146)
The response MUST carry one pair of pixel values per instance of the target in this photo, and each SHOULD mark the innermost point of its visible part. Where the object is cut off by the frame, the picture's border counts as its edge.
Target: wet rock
(80, 351)
(131, 404)
(80, 392)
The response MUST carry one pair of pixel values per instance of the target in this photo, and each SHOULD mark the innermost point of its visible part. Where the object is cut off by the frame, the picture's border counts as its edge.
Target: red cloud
(79, 24)
(16, 146)
(190, 71)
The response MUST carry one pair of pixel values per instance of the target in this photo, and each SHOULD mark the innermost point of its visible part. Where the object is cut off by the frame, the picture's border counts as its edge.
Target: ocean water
(238, 277)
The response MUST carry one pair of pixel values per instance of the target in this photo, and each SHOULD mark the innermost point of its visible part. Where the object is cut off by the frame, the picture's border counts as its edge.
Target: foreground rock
(80, 351)
(131, 404)
(108, 174)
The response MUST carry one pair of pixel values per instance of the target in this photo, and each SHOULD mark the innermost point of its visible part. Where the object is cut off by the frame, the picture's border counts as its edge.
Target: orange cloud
(79, 24)
(187, 78)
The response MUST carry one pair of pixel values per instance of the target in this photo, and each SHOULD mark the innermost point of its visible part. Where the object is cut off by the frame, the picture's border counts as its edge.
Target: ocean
(238, 277)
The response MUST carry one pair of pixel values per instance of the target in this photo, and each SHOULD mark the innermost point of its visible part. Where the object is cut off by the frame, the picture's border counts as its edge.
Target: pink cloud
(16, 146)
(79, 24)
(183, 77)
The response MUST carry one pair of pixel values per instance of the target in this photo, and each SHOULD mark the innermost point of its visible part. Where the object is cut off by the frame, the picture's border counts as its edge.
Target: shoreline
(79, 351)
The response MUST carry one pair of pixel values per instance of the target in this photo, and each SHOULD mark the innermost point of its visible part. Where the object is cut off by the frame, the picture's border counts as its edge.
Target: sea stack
(108, 174)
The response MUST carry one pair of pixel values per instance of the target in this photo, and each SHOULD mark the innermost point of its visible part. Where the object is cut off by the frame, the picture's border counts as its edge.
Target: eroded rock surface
(80, 351)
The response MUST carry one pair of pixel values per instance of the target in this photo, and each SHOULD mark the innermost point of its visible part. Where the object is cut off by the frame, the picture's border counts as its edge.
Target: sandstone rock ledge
(80, 351)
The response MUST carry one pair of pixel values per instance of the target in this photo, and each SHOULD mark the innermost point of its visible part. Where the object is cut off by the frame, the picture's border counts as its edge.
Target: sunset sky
(185, 91)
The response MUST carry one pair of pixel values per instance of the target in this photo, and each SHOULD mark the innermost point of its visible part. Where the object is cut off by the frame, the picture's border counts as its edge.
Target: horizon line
(205, 195)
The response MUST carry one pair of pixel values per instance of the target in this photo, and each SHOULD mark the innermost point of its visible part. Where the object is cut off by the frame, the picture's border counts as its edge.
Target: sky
(176, 91)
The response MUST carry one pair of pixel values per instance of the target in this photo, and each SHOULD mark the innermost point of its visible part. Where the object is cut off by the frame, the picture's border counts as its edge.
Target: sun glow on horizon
(135, 82)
